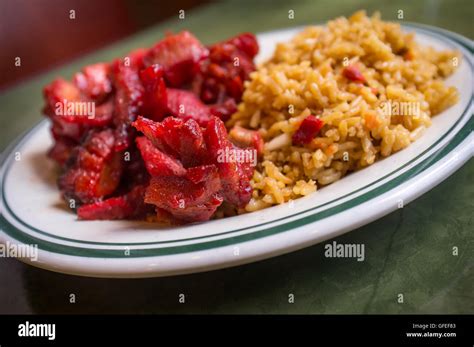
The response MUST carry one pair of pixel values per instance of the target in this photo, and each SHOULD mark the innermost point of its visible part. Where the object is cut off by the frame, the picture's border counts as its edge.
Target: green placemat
(408, 252)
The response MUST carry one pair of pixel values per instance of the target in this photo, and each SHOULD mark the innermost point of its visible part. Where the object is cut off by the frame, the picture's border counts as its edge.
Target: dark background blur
(25, 25)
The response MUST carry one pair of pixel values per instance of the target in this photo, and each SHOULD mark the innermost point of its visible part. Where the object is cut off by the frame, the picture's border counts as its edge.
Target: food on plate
(143, 136)
(337, 98)
(184, 132)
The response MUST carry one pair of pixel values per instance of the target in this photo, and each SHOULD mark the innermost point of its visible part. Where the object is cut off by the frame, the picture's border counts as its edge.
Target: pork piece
(154, 131)
(128, 97)
(244, 138)
(184, 91)
(130, 193)
(160, 102)
(158, 163)
(179, 56)
(134, 171)
(155, 95)
(57, 94)
(67, 107)
(223, 110)
(235, 176)
(184, 104)
(101, 116)
(184, 199)
(127, 206)
(193, 191)
(178, 138)
(61, 150)
(185, 139)
(93, 170)
(222, 75)
(94, 81)
(199, 212)
(76, 105)
(201, 173)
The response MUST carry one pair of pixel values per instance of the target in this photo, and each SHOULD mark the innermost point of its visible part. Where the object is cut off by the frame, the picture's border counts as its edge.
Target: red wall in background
(42, 34)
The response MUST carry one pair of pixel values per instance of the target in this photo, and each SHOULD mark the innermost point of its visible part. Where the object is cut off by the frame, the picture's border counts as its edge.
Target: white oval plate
(33, 213)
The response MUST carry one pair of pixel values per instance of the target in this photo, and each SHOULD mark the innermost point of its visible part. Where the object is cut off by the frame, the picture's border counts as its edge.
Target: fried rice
(305, 77)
